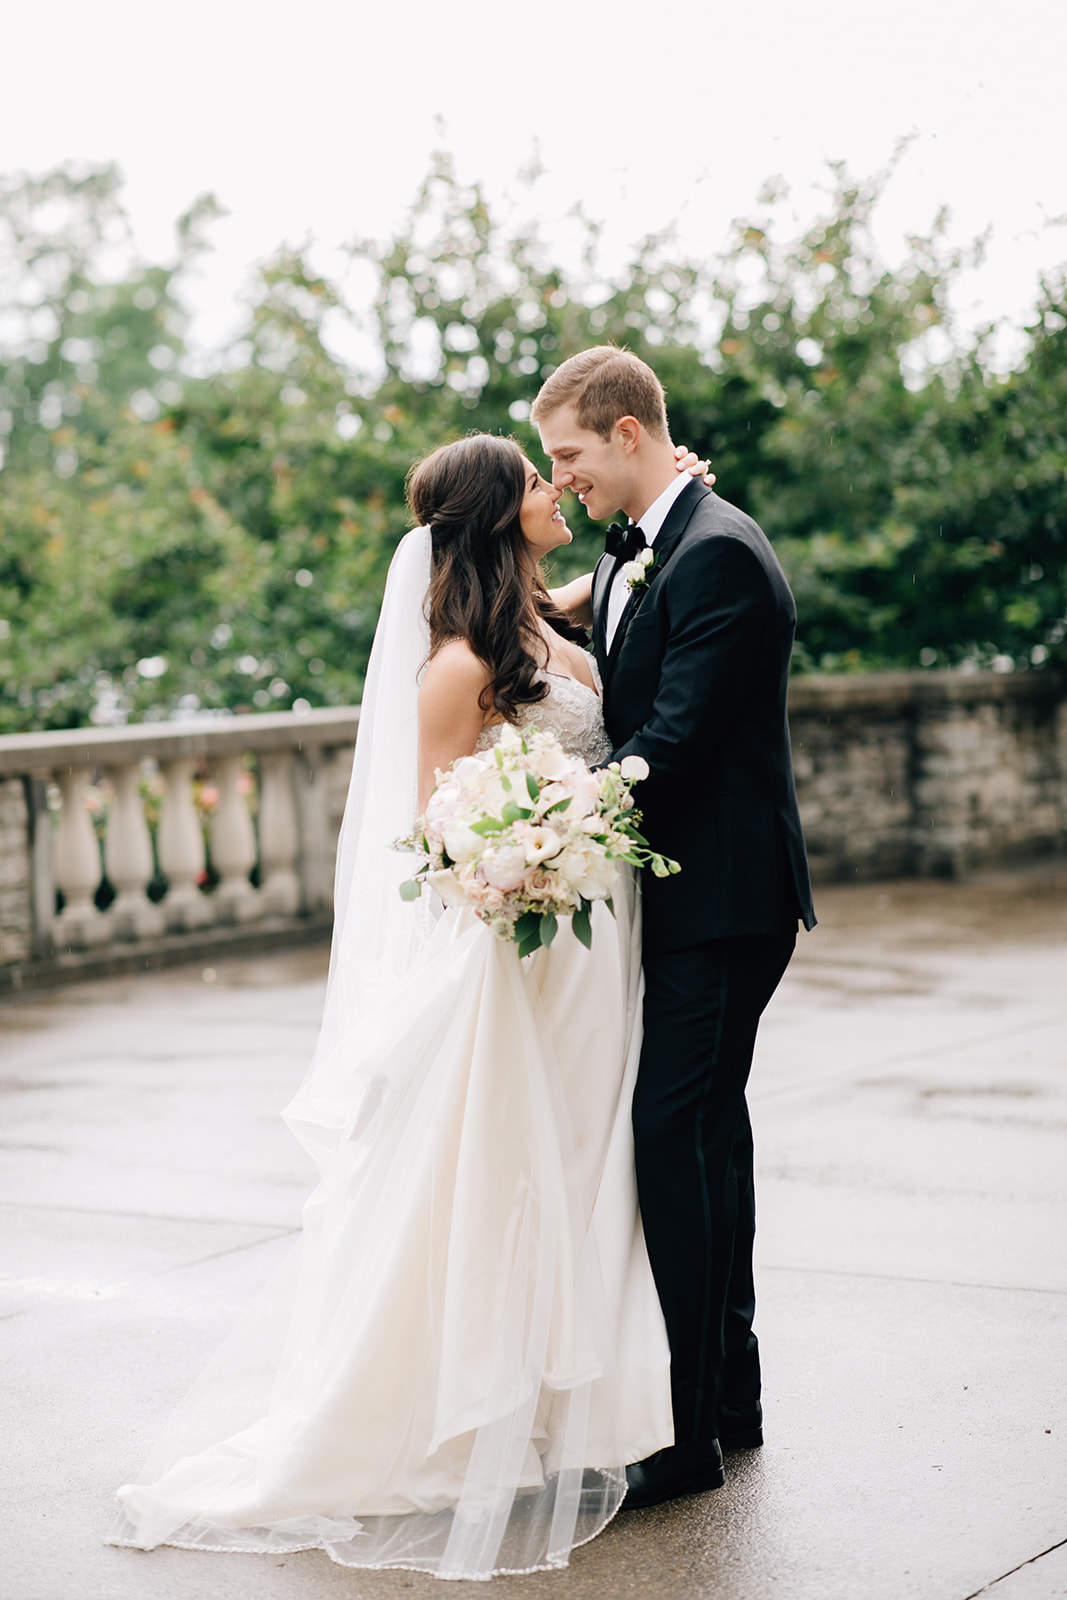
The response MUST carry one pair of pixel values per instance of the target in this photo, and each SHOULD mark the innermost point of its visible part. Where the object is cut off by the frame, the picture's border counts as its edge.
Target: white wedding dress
(475, 1348)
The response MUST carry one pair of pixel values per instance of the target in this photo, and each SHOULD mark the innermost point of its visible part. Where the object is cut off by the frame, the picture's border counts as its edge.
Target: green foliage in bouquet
(522, 834)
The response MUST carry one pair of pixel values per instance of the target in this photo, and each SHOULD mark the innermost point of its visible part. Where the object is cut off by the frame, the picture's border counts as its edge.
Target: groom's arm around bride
(694, 653)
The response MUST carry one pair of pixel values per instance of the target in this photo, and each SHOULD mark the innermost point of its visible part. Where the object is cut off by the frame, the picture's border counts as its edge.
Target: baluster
(129, 857)
(233, 845)
(315, 877)
(42, 866)
(77, 866)
(278, 840)
(181, 849)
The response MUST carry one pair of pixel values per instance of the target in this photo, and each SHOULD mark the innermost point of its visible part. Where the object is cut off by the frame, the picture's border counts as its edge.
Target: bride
(475, 1348)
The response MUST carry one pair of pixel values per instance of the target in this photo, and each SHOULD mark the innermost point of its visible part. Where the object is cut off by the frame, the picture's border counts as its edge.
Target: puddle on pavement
(1012, 1091)
(35, 1085)
(1023, 906)
(33, 1010)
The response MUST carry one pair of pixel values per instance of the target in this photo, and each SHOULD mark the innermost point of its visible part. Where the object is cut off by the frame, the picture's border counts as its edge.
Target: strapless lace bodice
(570, 710)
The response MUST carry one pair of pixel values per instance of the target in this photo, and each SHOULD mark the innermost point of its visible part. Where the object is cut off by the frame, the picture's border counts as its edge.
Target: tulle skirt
(474, 1347)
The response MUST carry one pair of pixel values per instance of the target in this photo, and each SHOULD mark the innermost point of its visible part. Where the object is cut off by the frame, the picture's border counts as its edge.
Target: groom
(693, 626)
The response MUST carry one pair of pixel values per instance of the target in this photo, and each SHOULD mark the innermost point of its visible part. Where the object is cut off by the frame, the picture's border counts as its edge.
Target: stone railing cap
(825, 691)
(280, 730)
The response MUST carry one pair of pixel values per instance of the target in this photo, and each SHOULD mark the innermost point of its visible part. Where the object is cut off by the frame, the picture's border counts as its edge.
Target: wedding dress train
(476, 1348)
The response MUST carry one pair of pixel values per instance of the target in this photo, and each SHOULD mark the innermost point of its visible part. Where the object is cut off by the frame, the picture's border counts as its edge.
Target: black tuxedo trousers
(695, 682)
(693, 1149)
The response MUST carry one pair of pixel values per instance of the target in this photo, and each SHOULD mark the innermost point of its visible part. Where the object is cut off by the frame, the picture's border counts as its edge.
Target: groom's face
(598, 470)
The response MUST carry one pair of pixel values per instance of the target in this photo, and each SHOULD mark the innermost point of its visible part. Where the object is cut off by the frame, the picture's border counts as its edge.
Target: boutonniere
(638, 571)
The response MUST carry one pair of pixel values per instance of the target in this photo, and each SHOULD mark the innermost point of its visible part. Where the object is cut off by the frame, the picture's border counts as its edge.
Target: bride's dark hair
(483, 586)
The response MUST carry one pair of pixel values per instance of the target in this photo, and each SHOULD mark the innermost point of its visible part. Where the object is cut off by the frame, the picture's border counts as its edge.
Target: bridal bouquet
(524, 834)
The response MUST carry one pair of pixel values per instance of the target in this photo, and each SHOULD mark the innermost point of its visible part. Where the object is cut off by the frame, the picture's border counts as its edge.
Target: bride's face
(540, 518)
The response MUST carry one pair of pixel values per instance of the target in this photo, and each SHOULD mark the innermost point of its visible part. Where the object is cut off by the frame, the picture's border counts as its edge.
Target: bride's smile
(542, 522)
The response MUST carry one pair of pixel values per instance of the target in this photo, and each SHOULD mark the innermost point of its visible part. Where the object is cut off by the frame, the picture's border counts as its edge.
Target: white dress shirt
(650, 524)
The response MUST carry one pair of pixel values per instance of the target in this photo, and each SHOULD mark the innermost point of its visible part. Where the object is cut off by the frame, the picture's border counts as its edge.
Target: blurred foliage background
(175, 541)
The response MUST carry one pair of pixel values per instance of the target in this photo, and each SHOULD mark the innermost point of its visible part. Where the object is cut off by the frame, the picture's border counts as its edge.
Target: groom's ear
(627, 432)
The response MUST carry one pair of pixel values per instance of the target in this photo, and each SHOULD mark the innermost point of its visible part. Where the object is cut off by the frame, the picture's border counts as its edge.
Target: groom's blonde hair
(604, 384)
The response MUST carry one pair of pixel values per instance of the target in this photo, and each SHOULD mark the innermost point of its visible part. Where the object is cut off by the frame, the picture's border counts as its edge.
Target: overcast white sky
(318, 118)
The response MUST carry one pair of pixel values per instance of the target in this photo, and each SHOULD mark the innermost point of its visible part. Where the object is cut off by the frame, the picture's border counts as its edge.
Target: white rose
(484, 792)
(633, 571)
(443, 803)
(646, 557)
(551, 794)
(505, 867)
(588, 871)
(634, 767)
(551, 763)
(585, 791)
(461, 842)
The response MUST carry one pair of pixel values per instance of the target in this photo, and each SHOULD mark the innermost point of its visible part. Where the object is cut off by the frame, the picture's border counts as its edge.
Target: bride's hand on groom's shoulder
(688, 462)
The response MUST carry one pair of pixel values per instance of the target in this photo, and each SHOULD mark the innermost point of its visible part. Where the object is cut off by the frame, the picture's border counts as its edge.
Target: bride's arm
(450, 715)
(576, 599)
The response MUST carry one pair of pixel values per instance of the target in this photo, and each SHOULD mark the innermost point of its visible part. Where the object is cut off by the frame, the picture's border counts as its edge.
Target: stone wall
(929, 773)
(898, 774)
(16, 874)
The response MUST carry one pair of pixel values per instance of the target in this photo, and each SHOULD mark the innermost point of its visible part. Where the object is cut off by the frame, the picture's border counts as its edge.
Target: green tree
(172, 542)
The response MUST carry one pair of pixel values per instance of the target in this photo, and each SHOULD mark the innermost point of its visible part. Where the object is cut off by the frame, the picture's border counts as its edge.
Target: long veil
(467, 1347)
(377, 936)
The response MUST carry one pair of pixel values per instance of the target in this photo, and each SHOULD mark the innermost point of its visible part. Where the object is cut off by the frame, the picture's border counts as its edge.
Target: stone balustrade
(245, 813)
(929, 774)
(898, 774)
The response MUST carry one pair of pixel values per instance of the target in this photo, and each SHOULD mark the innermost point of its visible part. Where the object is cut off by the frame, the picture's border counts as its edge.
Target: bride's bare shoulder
(454, 677)
(454, 664)
(451, 716)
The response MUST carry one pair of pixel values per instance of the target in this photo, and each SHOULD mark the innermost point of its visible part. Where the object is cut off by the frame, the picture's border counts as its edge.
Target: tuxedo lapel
(677, 520)
(603, 573)
(675, 524)
(636, 596)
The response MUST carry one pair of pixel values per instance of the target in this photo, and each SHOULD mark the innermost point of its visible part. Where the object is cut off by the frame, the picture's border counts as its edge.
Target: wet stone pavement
(910, 1106)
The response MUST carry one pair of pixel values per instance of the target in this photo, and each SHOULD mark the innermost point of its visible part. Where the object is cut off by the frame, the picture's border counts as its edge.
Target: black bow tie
(623, 541)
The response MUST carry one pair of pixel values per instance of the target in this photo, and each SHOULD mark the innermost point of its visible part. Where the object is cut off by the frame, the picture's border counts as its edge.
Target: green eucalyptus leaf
(487, 827)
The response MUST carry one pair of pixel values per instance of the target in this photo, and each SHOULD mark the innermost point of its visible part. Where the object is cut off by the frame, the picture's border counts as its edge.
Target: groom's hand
(687, 462)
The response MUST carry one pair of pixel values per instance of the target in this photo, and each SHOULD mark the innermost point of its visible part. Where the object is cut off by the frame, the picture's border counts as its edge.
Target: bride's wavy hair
(483, 587)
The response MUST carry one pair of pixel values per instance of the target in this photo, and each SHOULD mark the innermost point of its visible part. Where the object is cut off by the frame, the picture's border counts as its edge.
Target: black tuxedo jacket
(695, 682)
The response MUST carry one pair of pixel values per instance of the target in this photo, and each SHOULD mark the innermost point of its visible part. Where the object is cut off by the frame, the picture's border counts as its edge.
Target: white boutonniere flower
(638, 571)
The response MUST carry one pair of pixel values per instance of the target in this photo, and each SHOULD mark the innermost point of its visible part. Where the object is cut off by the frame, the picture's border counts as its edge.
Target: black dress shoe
(741, 1430)
(741, 1439)
(680, 1469)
